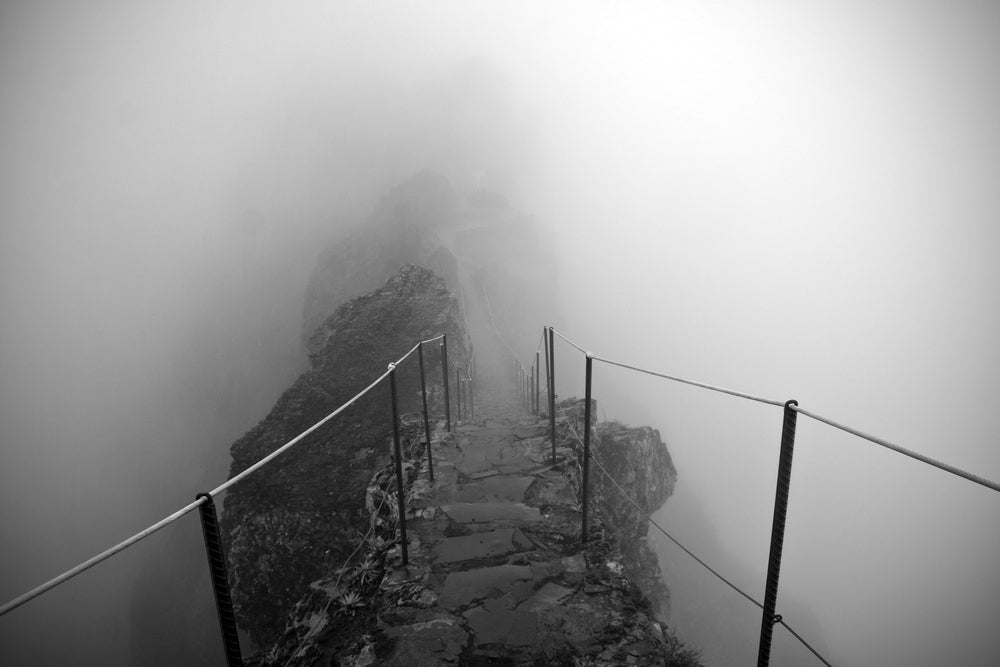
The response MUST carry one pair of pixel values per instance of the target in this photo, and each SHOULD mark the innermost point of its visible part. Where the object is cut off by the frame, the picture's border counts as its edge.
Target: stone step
(461, 588)
(494, 488)
(491, 511)
(498, 621)
(481, 545)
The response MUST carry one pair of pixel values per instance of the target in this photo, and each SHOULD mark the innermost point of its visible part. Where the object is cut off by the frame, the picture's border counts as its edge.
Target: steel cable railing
(808, 413)
(204, 500)
(791, 409)
(989, 484)
(694, 383)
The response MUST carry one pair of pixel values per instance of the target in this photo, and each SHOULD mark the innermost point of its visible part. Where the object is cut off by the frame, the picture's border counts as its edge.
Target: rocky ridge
(288, 525)
(294, 533)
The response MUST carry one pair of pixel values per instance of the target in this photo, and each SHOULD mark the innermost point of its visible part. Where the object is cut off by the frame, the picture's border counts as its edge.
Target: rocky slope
(289, 524)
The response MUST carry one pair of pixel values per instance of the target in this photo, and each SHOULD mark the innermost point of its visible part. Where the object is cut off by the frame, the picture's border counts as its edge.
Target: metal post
(531, 391)
(220, 581)
(427, 423)
(552, 391)
(768, 619)
(538, 377)
(527, 391)
(400, 495)
(524, 382)
(545, 346)
(521, 385)
(444, 372)
(586, 448)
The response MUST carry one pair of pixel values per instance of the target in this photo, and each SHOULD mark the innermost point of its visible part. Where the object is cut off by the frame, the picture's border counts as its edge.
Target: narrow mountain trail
(497, 573)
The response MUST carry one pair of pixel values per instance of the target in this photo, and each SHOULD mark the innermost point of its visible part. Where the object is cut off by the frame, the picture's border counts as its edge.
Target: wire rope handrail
(552, 329)
(989, 484)
(190, 507)
(102, 556)
(972, 477)
(694, 383)
(791, 410)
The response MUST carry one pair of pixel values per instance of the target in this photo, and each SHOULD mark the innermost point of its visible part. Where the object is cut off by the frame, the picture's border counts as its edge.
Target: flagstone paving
(497, 572)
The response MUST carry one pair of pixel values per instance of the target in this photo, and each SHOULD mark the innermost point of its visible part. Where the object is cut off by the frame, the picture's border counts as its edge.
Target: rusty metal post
(768, 618)
(552, 391)
(400, 494)
(586, 448)
(427, 423)
(444, 373)
(220, 581)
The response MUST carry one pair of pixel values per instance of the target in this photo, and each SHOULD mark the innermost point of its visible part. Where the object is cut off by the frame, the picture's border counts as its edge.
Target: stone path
(497, 573)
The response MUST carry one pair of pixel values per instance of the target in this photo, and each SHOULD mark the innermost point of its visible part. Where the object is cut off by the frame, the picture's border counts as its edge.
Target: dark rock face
(637, 459)
(291, 522)
(399, 232)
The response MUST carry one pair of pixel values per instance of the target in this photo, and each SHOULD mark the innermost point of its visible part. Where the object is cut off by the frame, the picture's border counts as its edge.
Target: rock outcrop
(289, 524)
(634, 461)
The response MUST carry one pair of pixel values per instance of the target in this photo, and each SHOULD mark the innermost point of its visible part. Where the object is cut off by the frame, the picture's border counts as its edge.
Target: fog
(795, 202)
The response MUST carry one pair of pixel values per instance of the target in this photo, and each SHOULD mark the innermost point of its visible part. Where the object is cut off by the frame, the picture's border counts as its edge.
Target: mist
(795, 202)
